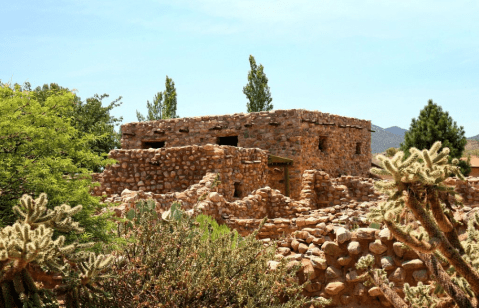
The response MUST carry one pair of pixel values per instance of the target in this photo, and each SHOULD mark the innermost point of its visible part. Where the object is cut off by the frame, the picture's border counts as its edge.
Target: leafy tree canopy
(434, 124)
(42, 150)
(257, 89)
(89, 117)
(163, 105)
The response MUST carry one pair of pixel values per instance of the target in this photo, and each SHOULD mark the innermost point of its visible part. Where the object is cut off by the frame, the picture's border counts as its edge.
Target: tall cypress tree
(163, 105)
(434, 124)
(257, 89)
(169, 106)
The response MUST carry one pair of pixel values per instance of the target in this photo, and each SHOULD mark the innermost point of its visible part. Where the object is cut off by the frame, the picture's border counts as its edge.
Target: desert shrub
(32, 256)
(391, 152)
(169, 262)
(211, 230)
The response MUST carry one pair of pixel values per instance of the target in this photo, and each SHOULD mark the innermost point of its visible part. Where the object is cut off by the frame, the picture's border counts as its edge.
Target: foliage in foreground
(170, 263)
(417, 193)
(433, 124)
(29, 256)
(41, 150)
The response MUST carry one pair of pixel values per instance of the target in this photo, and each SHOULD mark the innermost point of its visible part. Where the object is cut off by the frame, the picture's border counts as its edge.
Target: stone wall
(328, 257)
(324, 190)
(161, 171)
(295, 134)
(469, 189)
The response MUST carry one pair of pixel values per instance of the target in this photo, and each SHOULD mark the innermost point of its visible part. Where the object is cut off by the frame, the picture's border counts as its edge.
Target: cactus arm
(445, 248)
(7, 295)
(444, 280)
(378, 278)
(388, 293)
(443, 222)
(411, 241)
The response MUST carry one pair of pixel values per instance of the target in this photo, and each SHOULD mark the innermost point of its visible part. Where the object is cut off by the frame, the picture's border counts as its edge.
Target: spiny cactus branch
(411, 241)
(442, 221)
(445, 248)
(444, 280)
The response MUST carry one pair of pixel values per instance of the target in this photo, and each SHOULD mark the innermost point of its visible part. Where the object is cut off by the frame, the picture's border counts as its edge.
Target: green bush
(211, 230)
(176, 261)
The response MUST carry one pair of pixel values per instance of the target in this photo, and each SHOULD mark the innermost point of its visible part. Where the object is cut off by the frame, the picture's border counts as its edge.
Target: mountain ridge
(385, 138)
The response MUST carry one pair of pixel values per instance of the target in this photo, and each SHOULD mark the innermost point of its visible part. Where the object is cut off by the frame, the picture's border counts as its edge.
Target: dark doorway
(238, 192)
(228, 140)
(153, 144)
(322, 143)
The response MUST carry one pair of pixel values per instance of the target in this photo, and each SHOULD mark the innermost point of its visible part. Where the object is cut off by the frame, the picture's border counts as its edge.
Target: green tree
(89, 117)
(434, 124)
(257, 89)
(41, 150)
(160, 109)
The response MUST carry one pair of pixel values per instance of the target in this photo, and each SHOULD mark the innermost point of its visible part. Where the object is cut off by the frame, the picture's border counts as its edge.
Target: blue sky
(375, 60)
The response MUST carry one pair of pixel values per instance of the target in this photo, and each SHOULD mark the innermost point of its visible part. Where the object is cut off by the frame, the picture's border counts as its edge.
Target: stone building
(295, 140)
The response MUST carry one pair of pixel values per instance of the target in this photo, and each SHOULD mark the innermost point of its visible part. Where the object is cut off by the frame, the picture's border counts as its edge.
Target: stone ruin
(307, 172)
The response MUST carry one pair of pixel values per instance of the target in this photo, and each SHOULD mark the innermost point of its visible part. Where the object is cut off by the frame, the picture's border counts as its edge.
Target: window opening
(228, 140)
(358, 148)
(153, 144)
(322, 143)
(238, 192)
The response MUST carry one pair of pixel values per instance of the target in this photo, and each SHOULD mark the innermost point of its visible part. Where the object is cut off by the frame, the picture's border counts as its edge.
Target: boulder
(354, 248)
(331, 248)
(342, 235)
(334, 288)
(413, 264)
(377, 247)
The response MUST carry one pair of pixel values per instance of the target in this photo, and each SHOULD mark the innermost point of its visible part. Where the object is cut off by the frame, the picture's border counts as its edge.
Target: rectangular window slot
(358, 147)
(228, 140)
(153, 144)
(322, 143)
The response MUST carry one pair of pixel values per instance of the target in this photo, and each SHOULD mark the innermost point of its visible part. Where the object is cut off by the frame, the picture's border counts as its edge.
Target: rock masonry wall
(328, 255)
(469, 189)
(162, 171)
(295, 134)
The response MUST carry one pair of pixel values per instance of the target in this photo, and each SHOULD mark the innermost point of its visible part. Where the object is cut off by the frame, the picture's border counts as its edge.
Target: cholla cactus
(29, 254)
(418, 212)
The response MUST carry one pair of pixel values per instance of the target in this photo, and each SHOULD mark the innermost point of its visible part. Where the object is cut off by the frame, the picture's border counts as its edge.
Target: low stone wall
(323, 191)
(468, 189)
(328, 257)
(161, 171)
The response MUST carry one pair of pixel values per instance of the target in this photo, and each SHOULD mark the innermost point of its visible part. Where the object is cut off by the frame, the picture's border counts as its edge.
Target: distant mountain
(381, 139)
(396, 130)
